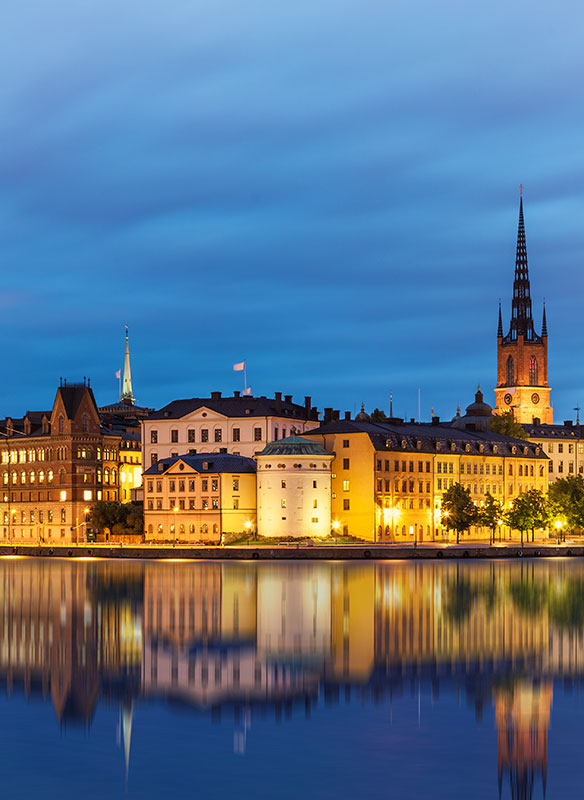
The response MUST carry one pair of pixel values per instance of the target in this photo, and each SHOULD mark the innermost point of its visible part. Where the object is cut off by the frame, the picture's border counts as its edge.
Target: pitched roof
(72, 396)
(246, 406)
(430, 438)
(215, 462)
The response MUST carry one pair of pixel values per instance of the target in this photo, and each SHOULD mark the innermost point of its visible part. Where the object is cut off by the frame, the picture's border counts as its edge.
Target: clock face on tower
(508, 399)
(535, 398)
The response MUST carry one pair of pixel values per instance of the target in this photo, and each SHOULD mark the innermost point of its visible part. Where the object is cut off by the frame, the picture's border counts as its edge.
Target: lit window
(284, 502)
(257, 434)
(218, 434)
(236, 435)
(62, 495)
(87, 494)
(346, 486)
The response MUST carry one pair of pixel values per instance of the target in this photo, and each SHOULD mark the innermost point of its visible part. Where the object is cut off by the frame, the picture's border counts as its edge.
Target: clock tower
(522, 373)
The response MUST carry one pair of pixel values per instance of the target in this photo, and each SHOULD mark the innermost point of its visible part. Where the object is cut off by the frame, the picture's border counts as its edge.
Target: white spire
(127, 394)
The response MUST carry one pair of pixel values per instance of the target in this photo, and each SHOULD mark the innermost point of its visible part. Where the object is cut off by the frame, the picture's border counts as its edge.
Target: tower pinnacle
(127, 394)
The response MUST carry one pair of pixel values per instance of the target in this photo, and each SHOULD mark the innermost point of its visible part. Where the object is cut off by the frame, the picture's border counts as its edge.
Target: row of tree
(561, 508)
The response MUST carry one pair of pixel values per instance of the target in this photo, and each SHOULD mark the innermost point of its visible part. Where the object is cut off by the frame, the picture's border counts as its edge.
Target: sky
(325, 189)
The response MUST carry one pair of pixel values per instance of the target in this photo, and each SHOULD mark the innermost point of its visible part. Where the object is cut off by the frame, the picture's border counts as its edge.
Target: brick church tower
(522, 373)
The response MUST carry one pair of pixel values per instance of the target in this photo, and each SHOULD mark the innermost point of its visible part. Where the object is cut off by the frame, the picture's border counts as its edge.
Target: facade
(54, 465)
(522, 368)
(563, 445)
(294, 489)
(239, 425)
(197, 498)
(388, 477)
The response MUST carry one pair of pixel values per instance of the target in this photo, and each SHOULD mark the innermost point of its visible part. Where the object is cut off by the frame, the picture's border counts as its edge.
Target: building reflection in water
(244, 639)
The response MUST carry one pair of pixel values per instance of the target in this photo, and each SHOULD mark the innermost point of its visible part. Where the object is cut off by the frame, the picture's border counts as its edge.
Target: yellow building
(130, 468)
(196, 498)
(388, 477)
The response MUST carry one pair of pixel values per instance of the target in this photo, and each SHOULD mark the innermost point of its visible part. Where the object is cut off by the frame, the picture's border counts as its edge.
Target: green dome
(294, 446)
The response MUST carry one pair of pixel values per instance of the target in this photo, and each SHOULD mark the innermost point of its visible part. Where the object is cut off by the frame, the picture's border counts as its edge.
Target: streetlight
(558, 525)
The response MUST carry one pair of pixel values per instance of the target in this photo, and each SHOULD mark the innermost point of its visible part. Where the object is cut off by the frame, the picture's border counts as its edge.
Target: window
(153, 437)
(61, 424)
(150, 486)
(236, 484)
(236, 502)
(257, 434)
(205, 503)
(218, 434)
(153, 458)
(283, 484)
(396, 465)
(215, 485)
(560, 447)
(533, 371)
(181, 504)
(377, 465)
(561, 466)
(191, 486)
(346, 463)
(411, 466)
(420, 466)
(345, 442)
(158, 486)
(510, 371)
(550, 466)
(191, 435)
(345, 486)
(236, 435)
(215, 502)
(314, 484)
(314, 519)
(284, 502)
(346, 504)
(87, 494)
(204, 435)
(379, 485)
(174, 435)
(63, 515)
(171, 486)
(84, 423)
(204, 485)
(191, 504)
(181, 486)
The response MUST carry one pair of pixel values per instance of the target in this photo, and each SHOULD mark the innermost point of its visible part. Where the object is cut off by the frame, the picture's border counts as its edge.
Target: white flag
(247, 391)
(239, 367)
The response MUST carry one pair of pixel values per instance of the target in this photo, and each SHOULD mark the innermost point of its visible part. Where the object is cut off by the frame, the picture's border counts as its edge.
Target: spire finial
(520, 191)
(127, 394)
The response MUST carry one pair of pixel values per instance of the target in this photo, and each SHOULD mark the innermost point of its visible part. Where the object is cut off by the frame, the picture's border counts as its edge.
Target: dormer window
(481, 448)
(495, 449)
(453, 446)
(404, 444)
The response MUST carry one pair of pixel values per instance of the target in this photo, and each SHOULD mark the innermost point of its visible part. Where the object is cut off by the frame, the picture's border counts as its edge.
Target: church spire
(500, 328)
(127, 394)
(521, 316)
(544, 322)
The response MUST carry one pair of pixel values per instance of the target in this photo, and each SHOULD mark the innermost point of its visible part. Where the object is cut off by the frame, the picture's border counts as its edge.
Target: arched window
(150, 529)
(61, 424)
(510, 371)
(387, 530)
(533, 371)
(85, 423)
(215, 529)
(61, 476)
(181, 528)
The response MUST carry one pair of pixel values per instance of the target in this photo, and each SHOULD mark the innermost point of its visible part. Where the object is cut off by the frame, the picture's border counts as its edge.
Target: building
(197, 498)
(294, 489)
(239, 425)
(388, 477)
(522, 368)
(563, 445)
(54, 465)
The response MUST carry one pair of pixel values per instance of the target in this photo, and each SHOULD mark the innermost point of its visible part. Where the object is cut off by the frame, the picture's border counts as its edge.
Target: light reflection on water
(322, 679)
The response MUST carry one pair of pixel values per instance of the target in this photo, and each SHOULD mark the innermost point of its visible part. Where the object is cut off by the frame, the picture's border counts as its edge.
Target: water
(151, 680)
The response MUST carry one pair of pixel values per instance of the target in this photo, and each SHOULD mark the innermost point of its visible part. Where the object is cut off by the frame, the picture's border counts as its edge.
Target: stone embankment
(373, 552)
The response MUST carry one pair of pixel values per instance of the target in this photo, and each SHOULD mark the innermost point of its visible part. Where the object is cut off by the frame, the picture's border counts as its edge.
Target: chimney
(568, 423)
(215, 395)
(536, 421)
(347, 415)
(336, 415)
(435, 420)
(307, 404)
(278, 396)
(328, 415)
(236, 394)
(288, 398)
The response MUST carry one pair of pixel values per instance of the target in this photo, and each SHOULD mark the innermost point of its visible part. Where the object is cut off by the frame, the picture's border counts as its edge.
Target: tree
(378, 416)
(506, 425)
(458, 510)
(529, 511)
(566, 501)
(109, 516)
(490, 514)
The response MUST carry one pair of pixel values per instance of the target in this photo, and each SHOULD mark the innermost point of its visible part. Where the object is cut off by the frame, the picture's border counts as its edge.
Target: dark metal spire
(521, 317)
(544, 322)
(500, 328)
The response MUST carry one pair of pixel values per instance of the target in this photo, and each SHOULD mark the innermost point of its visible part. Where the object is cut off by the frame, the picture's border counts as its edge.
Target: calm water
(292, 681)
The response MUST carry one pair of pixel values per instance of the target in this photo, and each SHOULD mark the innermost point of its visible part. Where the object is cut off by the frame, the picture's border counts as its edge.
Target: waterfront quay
(299, 552)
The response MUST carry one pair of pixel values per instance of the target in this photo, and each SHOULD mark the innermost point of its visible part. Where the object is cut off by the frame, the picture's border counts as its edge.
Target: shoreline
(372, 552)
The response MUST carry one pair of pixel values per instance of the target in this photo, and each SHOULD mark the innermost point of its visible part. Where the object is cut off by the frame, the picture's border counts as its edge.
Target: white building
(294, 489)
(239, 425)
(563, 444)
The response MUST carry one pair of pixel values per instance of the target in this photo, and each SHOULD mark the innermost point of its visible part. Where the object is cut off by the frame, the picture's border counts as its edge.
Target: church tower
(522, 373)
(127, 394)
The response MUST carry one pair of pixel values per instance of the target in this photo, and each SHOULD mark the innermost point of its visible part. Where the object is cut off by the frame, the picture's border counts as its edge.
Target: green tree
(566, 501)
(529, 511)
(109, 516)
(506, 425)
(378, 416)
(458, 510)
(490, 514)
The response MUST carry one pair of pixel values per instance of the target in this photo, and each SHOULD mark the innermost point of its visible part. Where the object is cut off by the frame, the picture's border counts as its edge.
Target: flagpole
(245, 377)
(120, 386)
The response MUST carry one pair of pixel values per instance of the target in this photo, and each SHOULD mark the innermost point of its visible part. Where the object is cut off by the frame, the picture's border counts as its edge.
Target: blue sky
(328, 190)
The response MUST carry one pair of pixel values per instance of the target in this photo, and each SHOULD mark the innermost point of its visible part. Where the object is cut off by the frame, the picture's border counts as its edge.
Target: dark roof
(72, 396)
(235, 407)
(216, 462)
(292, 446)
(554, 431)
(429, 438)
